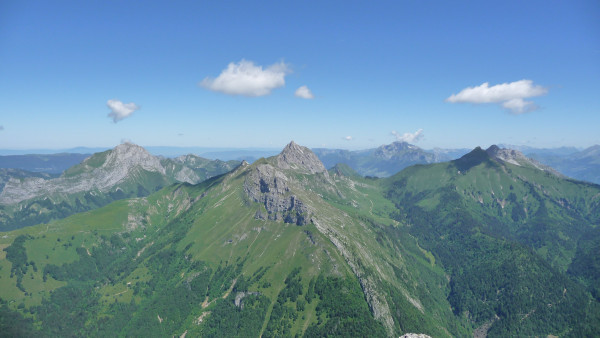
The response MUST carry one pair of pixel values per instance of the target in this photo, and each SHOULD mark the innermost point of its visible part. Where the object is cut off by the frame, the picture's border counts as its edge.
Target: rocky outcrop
(268, 185)
(101, 171)
(301, 159)
(239, 297)
(104, 171)
(517, 158)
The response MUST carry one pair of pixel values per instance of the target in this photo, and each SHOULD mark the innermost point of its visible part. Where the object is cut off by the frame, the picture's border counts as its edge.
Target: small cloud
(304, 93)
(180, 134)
(409, 137)
(244, 78)
(348, 138)
(120, 110)
(1, 128)
(510, 95)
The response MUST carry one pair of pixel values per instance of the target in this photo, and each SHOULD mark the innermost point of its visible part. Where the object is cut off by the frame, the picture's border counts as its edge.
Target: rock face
(101, 171)
(239, 297)
(268, 184)
(517, 158)
(107, 170)
(300, 158)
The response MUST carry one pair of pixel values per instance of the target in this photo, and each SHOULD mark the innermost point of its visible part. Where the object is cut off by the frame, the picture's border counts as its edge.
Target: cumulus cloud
(304, 92)
(245, 78)
(348, 138)
(510, 95)
(120, 110)
(409, 137)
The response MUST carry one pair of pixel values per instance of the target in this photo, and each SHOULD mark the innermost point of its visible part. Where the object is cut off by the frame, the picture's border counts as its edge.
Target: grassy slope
(202, 238)
(219, 228)
(482, 219)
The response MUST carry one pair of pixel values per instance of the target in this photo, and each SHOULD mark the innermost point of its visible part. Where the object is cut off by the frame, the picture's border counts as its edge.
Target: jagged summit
(500, 155)
(128, 155)
(269, 184)
(517, 158)
(297, 157)
(507, 155)
(127, 167)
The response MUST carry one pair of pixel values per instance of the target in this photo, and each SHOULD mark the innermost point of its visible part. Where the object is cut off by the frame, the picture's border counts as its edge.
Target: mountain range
(127, 170)
(492, 243)
(582, 165)
(385, 160)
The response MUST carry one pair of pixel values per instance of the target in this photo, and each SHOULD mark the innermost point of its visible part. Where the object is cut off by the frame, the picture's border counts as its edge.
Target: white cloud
(244, 78)
(348, 138)
(120, 110)
(409, 137)
(510, 95)
(304, 92)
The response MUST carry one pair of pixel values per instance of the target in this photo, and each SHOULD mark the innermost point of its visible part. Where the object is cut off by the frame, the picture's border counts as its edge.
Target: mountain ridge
(278, 247)
(127, 170)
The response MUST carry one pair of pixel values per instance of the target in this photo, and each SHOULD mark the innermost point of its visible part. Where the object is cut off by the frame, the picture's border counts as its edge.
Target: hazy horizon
(171, 151)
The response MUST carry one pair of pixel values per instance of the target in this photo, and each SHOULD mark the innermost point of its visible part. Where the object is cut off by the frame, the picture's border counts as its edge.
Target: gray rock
(300, 158)
(517, 158)
(239, 297)
(268, 186)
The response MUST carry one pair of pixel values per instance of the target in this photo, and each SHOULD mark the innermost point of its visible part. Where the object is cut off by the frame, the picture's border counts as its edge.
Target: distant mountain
(213, 153)
(512, 235)
(240, 154)
(491, 244)
(582, 165)
(127, 170)
(385, 160)
(259, 251)
(46, 163)
(559, 151)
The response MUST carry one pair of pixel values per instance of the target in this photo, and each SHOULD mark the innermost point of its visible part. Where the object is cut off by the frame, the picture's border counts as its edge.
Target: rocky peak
(128, 155)
(517, 158)
(507, 155)
(298, 157)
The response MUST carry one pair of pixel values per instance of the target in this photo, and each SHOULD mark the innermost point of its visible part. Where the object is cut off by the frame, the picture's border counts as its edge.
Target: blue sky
(225, 74)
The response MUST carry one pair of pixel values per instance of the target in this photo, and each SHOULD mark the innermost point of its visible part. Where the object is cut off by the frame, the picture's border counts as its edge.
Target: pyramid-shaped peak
(127, 155)
(127, 147)
(295, 156)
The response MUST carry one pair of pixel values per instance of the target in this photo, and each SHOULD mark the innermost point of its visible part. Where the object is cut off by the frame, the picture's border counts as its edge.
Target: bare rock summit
(517, 158)
(300, 158)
